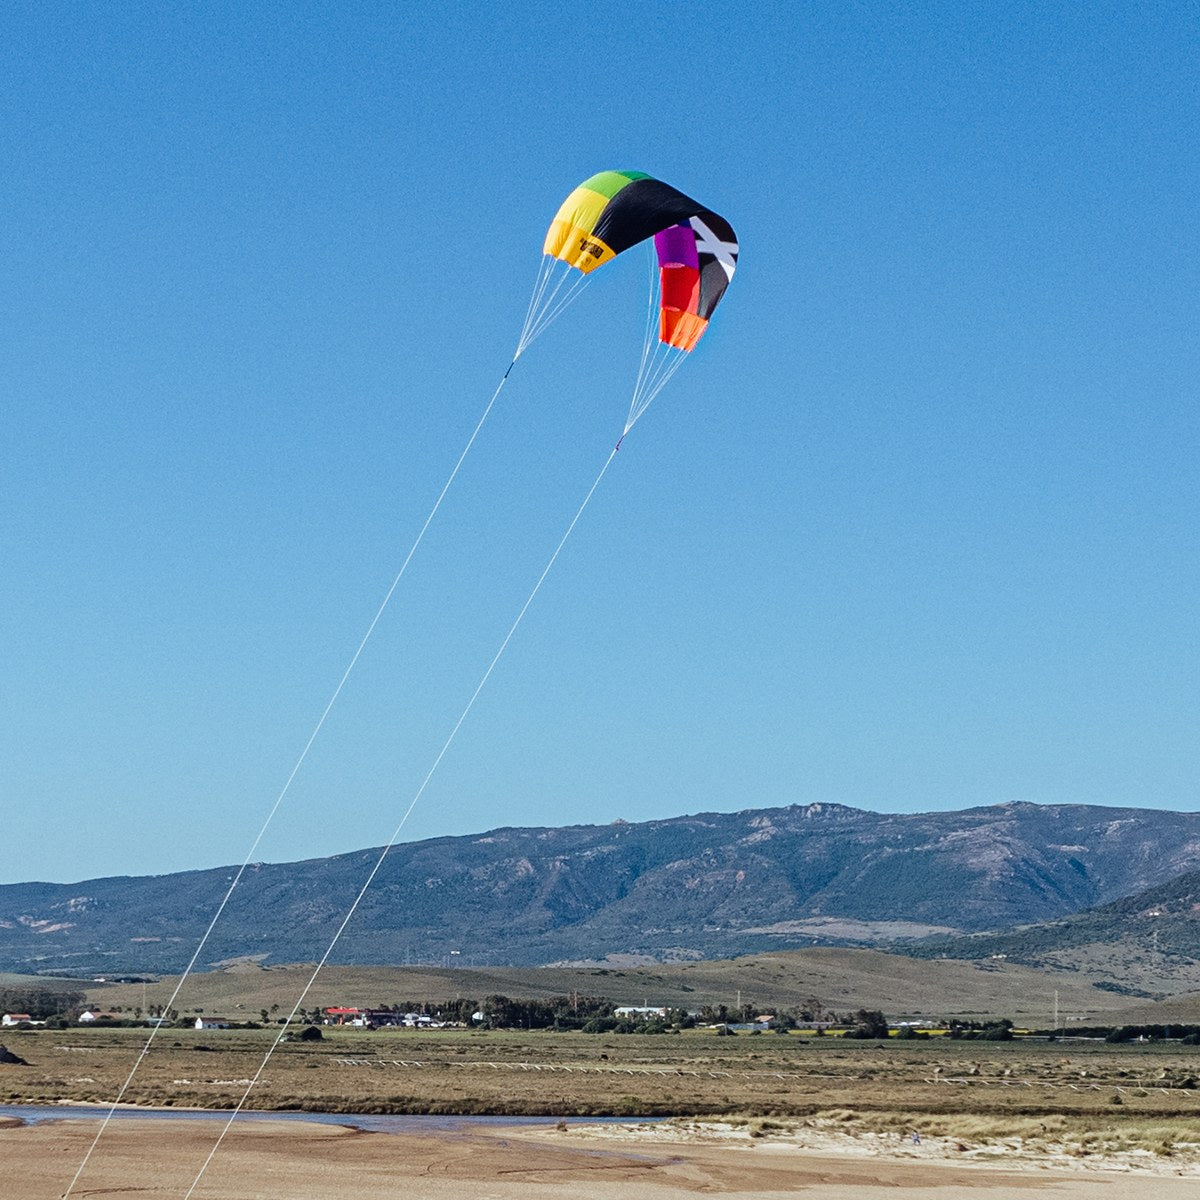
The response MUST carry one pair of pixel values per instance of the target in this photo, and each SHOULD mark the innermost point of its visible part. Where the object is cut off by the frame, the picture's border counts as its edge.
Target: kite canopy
(697, 250)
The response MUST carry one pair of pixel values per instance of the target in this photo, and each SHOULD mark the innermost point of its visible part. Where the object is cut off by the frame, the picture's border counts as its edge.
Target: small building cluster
(377, 1018)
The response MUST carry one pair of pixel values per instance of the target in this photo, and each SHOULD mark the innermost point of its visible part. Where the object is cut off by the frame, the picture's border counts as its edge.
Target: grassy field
(694, 1073)
(840, 979)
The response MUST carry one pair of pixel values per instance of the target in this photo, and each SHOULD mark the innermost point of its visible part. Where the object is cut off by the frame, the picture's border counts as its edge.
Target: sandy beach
(290, 1161)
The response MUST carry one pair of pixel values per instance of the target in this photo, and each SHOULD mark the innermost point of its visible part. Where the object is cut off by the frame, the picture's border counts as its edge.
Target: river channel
(33, 1114)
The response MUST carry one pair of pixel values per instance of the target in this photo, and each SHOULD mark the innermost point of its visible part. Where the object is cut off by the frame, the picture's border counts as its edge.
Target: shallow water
(33, 1114)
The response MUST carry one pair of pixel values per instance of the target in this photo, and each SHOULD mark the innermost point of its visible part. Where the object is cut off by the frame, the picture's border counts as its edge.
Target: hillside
(1146, 943)
(713, 885)
(839, 978)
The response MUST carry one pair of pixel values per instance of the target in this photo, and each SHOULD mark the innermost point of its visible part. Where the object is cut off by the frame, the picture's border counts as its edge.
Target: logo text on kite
(595, 249)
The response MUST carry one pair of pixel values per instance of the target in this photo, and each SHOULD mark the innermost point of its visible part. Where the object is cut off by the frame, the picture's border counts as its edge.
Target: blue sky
(914, 529)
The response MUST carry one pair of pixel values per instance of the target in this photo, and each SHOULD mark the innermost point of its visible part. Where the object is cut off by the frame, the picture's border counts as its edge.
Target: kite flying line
(545, 304)
(379, 861)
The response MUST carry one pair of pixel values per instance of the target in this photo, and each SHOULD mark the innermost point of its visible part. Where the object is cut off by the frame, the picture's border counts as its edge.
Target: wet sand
(278, 1161)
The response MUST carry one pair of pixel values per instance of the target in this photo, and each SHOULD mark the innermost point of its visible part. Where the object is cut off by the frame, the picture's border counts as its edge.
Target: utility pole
(1056, 1008)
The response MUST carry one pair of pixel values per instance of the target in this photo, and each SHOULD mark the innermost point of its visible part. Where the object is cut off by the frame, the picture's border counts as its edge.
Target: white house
(211, 1023)
(16, 1019)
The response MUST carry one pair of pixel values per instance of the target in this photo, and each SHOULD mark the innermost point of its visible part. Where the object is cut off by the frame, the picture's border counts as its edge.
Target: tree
(869, 1023)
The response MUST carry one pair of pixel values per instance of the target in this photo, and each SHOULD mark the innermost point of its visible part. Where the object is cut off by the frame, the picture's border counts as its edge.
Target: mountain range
(704, 886)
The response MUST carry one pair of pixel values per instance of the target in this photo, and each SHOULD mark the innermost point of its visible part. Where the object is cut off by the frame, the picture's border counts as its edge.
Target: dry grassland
(841, 979)
(466, 1071)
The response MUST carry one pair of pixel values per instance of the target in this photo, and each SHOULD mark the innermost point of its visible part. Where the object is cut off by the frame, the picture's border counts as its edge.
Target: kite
(697, 250)
(696, 253)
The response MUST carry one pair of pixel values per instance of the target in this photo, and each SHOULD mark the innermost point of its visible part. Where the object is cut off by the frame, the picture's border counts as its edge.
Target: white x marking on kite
(707, 242)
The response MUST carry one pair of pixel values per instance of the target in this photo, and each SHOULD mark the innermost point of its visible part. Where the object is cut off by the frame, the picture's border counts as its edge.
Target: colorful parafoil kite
(697, 249)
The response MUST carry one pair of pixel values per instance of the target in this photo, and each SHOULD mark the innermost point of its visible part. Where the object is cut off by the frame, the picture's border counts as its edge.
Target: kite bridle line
(664, 362)
(546, 304)
(542, 310)
(658, 361)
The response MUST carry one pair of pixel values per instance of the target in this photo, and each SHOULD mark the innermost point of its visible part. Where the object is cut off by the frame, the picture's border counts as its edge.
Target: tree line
(40, 1003)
